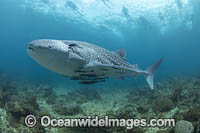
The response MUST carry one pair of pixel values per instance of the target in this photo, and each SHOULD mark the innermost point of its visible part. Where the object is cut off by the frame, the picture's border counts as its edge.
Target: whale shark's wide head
(46, 51)
(51, 54)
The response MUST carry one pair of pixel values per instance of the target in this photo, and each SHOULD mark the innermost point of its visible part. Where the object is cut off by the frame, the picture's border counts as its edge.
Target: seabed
(177, 98)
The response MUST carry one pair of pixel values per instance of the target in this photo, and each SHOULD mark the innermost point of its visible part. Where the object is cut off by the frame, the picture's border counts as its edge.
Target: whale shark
(85, 62)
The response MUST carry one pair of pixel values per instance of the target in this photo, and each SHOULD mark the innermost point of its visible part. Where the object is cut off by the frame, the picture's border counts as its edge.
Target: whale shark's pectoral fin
(76, 58)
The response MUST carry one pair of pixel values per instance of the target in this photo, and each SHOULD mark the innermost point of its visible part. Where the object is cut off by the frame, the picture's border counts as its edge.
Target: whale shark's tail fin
(151, 70)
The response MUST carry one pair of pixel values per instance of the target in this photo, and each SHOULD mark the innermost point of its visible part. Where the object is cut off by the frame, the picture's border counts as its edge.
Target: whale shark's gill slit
(115, 68)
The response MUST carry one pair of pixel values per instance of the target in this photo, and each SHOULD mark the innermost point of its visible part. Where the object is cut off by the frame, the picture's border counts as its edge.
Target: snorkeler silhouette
(144, 22)
(73, 7)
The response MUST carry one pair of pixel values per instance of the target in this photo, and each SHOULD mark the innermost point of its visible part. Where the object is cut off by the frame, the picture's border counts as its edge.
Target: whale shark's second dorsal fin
(121, 52)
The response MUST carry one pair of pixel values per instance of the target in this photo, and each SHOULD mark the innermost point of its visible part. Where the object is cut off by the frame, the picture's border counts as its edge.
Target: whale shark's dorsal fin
(121, 52)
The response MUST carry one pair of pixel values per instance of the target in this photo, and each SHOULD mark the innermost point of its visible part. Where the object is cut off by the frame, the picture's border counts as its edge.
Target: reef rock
(163, 105)
(143, 108)
(184, 127)
(17, 109)
(198, 127)
(68, 111)
(82, 96)
(2, 102)
(192, 115)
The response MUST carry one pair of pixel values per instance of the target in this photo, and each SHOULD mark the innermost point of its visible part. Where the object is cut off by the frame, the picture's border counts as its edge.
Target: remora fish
(86, 62)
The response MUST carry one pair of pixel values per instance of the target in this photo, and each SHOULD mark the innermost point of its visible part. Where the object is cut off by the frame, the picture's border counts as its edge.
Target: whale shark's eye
(49, 47)
(40, 47)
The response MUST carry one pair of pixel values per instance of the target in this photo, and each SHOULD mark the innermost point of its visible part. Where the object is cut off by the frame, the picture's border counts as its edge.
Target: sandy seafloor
(178, 98)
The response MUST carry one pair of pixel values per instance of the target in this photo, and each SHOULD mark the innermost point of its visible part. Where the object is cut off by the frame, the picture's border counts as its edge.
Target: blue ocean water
(148, 30)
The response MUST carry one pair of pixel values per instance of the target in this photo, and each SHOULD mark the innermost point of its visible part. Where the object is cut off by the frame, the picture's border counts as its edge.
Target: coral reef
(192, 115)
(2, 97)
(163, 105)
(17, 109)
(135, 130)
(7, 90)
(184, 127)
(198, 126)
(177, 98)
(81, 96)
(178, 116)
(4, 125)
(68, 111)
(143, 108)
(165, 131)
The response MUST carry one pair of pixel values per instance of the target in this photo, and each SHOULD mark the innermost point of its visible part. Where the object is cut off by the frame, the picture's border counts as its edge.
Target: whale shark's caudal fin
(151, 70)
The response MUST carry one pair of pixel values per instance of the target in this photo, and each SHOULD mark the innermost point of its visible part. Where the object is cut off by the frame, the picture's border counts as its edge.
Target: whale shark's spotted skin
(85, 62)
